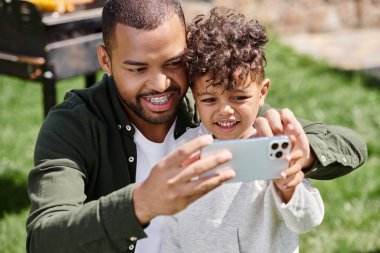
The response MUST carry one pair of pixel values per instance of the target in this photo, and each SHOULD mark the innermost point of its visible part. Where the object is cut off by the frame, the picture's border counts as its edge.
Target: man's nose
(159, 82)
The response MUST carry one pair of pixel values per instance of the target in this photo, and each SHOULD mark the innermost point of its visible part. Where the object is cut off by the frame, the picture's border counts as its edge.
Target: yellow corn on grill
(45, 42)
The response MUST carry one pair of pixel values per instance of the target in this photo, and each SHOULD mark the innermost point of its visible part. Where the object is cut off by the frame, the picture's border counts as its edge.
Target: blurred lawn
(312, 90)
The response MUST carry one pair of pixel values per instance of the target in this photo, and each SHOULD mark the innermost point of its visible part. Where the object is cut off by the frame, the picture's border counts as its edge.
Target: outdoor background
(315, 90)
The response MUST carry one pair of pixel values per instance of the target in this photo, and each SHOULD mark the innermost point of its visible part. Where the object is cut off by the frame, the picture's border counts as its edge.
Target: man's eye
(139, 70)
(174, 64)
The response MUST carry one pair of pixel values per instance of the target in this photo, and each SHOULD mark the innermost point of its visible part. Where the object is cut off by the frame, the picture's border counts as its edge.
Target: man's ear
(264, 90)
(104, 60)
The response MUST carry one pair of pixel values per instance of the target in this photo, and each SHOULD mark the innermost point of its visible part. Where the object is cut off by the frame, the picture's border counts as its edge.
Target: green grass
(311, 89)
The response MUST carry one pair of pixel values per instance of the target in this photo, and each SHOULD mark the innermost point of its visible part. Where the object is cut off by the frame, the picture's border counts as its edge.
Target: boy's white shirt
(148, 154)
(242, 217)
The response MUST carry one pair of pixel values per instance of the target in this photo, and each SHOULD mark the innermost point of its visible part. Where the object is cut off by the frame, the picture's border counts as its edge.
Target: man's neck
(153, 132)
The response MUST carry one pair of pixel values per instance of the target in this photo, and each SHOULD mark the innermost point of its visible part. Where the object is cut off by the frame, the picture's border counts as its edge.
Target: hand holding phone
(258, 158)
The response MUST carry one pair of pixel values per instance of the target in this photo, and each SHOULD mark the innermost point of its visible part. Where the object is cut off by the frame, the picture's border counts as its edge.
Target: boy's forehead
(205, 83)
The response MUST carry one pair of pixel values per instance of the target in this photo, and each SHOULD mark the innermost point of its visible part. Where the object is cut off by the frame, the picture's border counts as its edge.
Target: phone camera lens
(278, 154)
(285, 145)
(274, 146)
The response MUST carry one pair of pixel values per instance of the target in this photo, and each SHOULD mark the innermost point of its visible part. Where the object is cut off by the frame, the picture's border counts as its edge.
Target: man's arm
(60, 220)
(333, 150)
(338, 150)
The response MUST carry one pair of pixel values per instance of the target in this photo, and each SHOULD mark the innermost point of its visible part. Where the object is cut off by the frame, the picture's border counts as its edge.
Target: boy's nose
(160, 82)
(226, 109)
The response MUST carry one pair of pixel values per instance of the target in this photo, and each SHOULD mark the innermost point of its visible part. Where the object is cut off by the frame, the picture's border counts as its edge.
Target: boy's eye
(208, 100)
(240, 98)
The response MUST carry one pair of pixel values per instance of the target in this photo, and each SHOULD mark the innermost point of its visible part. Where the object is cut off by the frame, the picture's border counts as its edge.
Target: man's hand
(171, 185)
(284, 122)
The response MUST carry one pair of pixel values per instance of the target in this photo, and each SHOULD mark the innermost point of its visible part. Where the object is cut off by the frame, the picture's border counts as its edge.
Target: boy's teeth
(227, 124)
(158, 100)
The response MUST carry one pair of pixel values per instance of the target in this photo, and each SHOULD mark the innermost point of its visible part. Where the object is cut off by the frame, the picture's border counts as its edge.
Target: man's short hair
(139, 14)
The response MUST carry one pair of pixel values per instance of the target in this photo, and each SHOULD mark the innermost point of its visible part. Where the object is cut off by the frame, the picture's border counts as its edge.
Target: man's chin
(160, 117)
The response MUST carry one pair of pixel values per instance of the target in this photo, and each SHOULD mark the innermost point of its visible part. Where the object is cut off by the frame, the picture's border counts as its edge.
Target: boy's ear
(264, 90)
(104, 60)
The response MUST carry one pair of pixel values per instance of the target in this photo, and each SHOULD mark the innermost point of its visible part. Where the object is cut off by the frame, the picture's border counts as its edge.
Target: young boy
(225, 62)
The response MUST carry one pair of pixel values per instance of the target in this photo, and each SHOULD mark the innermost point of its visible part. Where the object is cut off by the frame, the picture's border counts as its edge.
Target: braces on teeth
(159, 100)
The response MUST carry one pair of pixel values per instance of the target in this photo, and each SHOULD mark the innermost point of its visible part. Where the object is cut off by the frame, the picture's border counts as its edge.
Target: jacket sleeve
(339, 150)
(304, 211)
(61, 220)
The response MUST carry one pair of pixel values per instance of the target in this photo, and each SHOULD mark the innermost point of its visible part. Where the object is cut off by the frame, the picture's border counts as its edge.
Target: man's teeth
(226, 124)
(158, 100)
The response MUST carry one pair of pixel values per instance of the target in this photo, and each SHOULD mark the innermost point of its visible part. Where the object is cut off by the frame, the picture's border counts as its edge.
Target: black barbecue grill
(48, 47)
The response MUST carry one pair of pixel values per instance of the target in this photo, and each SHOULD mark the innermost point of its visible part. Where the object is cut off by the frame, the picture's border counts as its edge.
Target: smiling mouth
(227, 124)
(158, 100)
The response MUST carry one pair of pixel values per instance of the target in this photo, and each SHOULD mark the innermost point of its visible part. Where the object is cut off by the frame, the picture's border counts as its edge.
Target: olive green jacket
(85, 158)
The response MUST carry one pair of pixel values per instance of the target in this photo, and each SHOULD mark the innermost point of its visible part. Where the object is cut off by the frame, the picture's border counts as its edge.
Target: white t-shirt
(148, 154)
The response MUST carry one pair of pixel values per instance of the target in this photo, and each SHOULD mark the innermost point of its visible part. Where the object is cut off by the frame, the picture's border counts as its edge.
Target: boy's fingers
(294, 155)
(298, 177)
(294, 168)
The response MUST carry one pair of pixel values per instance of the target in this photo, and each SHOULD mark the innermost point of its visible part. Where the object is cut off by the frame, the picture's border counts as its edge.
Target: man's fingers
(291, 124)
(203, 185)
(201, 166)
(275, 121)
(287, 117)
(263, 127)
(182, 153)
(195, 156)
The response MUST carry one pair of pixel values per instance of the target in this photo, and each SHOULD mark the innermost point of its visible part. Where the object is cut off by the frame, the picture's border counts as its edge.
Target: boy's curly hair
(222, 44)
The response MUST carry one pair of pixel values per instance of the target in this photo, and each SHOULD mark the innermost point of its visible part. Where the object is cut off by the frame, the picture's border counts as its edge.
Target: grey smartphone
(253, 159)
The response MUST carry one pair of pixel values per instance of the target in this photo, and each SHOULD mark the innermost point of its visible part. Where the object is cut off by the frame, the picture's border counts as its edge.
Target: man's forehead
(169, 30)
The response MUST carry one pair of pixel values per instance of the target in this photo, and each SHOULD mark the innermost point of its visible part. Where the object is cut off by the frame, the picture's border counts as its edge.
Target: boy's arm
(337, 150)
(291, 177)
(305, 209)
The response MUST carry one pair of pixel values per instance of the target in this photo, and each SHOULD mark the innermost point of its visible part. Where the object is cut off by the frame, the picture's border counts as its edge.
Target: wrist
(284, 194)
(309, 161)
(142, 211)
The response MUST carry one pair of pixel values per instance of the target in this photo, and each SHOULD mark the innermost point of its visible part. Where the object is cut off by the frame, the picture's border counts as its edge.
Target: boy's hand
(284, 122)
(292, 176)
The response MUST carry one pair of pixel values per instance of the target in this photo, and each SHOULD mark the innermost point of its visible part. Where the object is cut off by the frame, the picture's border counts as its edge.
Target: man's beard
(159, 117)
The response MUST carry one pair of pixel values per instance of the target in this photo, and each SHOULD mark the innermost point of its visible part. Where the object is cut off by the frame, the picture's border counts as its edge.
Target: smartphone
(257, 158)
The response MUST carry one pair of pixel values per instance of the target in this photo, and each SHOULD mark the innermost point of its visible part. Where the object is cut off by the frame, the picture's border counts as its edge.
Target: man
(100, 183)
